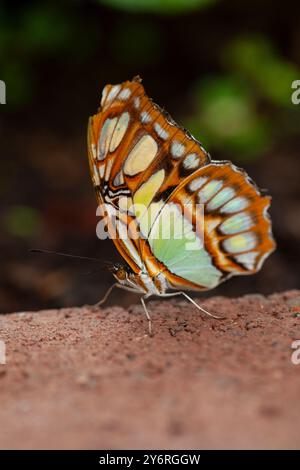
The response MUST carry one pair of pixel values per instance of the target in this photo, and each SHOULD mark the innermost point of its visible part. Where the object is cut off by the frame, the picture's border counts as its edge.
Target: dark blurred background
(223, 69)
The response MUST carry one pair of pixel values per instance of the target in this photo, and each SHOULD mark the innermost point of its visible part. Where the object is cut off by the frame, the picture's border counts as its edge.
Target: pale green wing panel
(174, 243)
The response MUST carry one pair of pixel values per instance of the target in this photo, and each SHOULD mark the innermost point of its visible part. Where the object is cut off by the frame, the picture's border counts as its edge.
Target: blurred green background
(223, 69)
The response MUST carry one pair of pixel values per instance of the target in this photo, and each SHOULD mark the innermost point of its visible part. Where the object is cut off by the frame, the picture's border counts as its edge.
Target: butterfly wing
(225, 225)
(137, 155)
(157, 182)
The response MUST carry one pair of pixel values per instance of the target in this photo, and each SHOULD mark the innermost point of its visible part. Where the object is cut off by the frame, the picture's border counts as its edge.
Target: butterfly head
(138, 282)
(120, 271)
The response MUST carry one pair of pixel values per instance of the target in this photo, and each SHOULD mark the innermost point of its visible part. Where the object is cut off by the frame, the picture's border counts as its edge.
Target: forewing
(137, 155)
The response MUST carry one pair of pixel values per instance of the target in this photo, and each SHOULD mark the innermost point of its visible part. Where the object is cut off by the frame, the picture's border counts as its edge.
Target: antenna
(67, 255)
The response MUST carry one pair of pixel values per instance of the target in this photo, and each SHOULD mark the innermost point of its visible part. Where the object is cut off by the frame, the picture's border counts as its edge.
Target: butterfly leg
(172, 294)
(104, 299)
(147, 315)
(106, 295)
(128, 289)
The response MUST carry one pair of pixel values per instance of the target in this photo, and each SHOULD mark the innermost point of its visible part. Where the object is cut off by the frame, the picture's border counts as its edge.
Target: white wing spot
(191, 161)
(119, 131)
(208, 191)
(94, 151)
(177, 149)
(113, 92)
(239, 243)
(105, 137)
(124, 236)
(101, 170)
(145, 117)
(235, 205)
(247, 259)
(124, 203)
(108, 168)
(221, 198)
(136, 102)
(96, 175)
(119, 179)
(197, 183)
(160, 131)
(237, 223)
(125, 93)
(104, 95)
(141, 155)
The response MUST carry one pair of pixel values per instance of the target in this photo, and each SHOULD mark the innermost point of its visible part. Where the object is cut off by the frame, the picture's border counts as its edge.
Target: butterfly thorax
(141, 282)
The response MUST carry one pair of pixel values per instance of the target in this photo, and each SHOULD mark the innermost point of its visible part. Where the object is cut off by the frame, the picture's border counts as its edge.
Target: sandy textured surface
(78, 378)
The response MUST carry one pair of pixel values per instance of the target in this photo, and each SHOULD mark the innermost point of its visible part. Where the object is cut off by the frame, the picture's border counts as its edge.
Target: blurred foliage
(21, 221)
(269, 75)
(227, 117)
(37, 32)
(158, 6)
(240, 112)
(148, 49)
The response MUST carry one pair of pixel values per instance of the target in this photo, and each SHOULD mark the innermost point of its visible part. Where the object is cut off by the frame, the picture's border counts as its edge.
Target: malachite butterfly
(154, 181)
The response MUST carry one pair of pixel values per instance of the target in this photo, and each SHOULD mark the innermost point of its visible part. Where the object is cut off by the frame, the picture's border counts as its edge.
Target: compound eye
(121, 274)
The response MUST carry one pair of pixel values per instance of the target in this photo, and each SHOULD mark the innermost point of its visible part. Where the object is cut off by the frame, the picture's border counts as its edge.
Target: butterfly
(154, 182)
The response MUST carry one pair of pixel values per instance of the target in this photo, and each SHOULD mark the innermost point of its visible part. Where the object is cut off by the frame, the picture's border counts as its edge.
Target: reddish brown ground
(77, 378)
